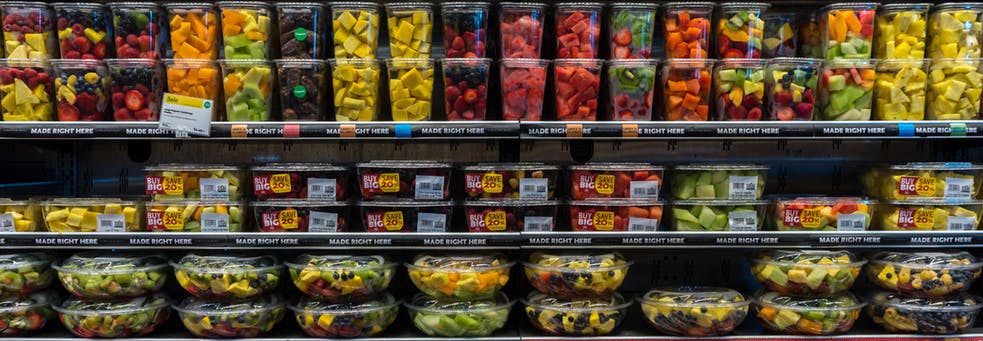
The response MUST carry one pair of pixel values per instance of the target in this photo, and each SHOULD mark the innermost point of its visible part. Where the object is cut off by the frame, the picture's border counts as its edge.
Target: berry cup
(520, 27)
(197, 78)
(780, 35)
(465, 27)
(83, 30)
(302, 30)
(687, 29)
(248, 85)
(899, 91)
(847, 30)
(848, 87)
(302, 85)
(578, 82)
(578, 27)
(356, 29)
(632, 86)
(739, 89)
(246, 29)
(687, 89)
(792, 86)
(194, 30)
(523, 88)
(740, 30)
(410, 29)
(28, 82)
(137, 30)
(81, 89)
(27, 28)
(355, 83)
(466, 88)
(411, 88)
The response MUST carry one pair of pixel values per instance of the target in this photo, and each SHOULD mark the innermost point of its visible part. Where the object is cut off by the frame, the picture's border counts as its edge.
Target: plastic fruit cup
(930, 214)
(792, 86)
(913, 180)
(615, 180)
(83, 30)
(460, 277)
(114, 319)
(524, 180)
(899, 90)
(718, 215)
(740, 29)
(26, 273)
(466, 88)
(25, 214)
(81, 87)
(815, 315)
(303, 181)
(631, 29)
(248, 87)
(848, 30)
(246, 28)
(924, 274)
(195, 216)
(300, 216)
(411, 88)
(227, 277)
(108, 275)
(636, 215)
(954, 89)
(687, 89)
(523, 89)
(406, 216)
(810, 37)
(137, 29)
(27, 30)
(28, 82)
(806, 273)
(191, 181)
(945, 315)
(520, 26)
(136, 88)
(356, 94)
(719, 181)
(684, 311)
(407, 179)
(578, 83)
(342, 278)
(822, 214)
(848, 87)
(465, 27)
(89, 215)
(26, 314)
(302, 86)
(901, 30)
(955, 28)
(199, 78)
(510, 215)
(194, 30)
(302, 30)
(781, 38)
(687, 29)
(739, 89)
(410, 29)
(578, 28)
(464, 319)
(632, 86)
(552, 315)
(351, 319)
(576, 275)
(231, 319)
(356, 29)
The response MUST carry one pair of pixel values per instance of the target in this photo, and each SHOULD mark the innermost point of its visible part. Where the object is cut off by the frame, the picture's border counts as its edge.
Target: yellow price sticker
(280, 183)
(492, 183)
(288, 219)
(173, 220)
(811, 218)
(389, 182)
(604, 220)
(925, 186)
(495, 221)
(173, 185)
(393, 221)
(604, 184)
(924, 219)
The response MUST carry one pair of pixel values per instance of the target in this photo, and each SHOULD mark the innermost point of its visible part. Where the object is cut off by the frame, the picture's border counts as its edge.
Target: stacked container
(411, 69)
(193, 69)
(723, 197)
(926, 196)
(294, 197)
(405, 196)
(523, 73)
(25, 304)
(247, 70)
(195, 198)
(355, 70)
(615, 197)
(510, 197)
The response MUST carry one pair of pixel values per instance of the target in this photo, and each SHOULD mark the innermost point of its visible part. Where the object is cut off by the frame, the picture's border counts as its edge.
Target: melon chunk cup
(687, 86)
(248, 86)
(848, 30)
(847, 90)
(246, 29)
(194, 30)
(92, 215)
(687, 29)
(721, 181)
(460, 277)
(718, 215)
(198, 78)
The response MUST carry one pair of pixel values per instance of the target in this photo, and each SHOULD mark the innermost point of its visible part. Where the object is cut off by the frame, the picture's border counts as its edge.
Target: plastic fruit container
(23, 315)
(954, 89)
(342, 278)
(946, 315)
(302, 28)
(466, 88)
(28, 82)
(356, 29)
(83, 30)
(246, 29)
(632, 86)
(137, 30)
(136, 89)
(91, 215)
(578, 83)
(406, 216)
(420, 180)
(637, 215)
(355, 83)
(520, 26)
(81, 87)
(955, 28)
(20, 216)
(901, 30)
(194, 30)
(305, 181)
(300, 216)
(107, 276)
(721, 181)
(231, 319)
(718, 215)
(195, 216)
(930, 214)
(781, 34)
(616, 180)
(739, 89)
(177, 181)
(524, 180)
(198, 78)
(954, 180)
(694, 311)
(348, 319)
(411, 88)
(740, 29)
(790, 315)
(810, 39)
(687, 29)
(24, 273)
(822, 214)
(933, 274)
(792, 85)
(302, 85)
(510, 215)
(454, 318)
(410, 29)
(524, 88)
(578, 29)
(847, 90)
(465, 27)
(686, 84)
(34, 39)
(806, 272)
(589, 316)
(632, 26)
(576, 275)
(248, 86)
(847, 30)
(899, 90)
(114, 319)
(227, 276)
(460, 277)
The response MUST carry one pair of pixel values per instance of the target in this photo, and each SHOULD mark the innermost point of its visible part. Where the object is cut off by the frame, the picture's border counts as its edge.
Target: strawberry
(623, 37)
(622, 52)
(134, 100)
(117, 99)
(82, 44)
(143, 114)
(470, 96)
(145, 43)
(754, 114)
(458, 43)
(100, 51)
(451, 93)
(67, 112)
(87, 102)
(122, 114)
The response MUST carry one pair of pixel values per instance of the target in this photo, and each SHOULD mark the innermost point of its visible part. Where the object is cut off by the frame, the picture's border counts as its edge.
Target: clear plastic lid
(475, 262)
(298, 5)
(333, 262)
(417, 6)
(77, 5)
(25, 62)
(754, 6)
(935, 202)
(179, 167)
(134, 62)
(263, 304)
(694, 297)
(850, 6)
(24, 3)
(897, 7)
(823, 201)
(242, 4)
(12, 202)
(227, 264)
(194, 202)
(838, 302)
(972, 6)
(689, 5)
(298, 203)
(353, 4)
(297, 64)
(414, 164)
(617, 202)
(405, 203)
(104, 263)
(585, 305)
(78, 202)
(742, 63)
(954, 303)
(77, 306)
(581, 261)
(719, 202)
(526, 166)
(722, 167)
(850, 63)
(24, 260)
(508, 203)
(35, 300)
(618, 166)
(579, 62)
(525, 62)
(593, 6)
(928, 260)
(812, 258)
(950, 166)
(208, 6)
(427, 303)
(309, 305)
(795, 62)
(522, 5)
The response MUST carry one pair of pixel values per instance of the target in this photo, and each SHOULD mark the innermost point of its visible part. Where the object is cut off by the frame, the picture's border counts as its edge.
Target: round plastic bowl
(924, 273)
(576, 275)
(576, 317)
(806, 272)
(460, 277)
(901, 314)
(335, 278)
(231, 319)
(451, 318)
(221, 277)
(694, 311)
(106, 276)
(369, 318)
(807, 315)
(111, 319)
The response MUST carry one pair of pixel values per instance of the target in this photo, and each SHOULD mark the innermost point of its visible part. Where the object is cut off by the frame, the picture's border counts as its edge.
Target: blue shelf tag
(404, 130)
(906, 129)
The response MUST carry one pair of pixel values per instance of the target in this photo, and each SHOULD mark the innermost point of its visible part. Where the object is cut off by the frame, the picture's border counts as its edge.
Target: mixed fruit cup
(528, 180)
(931, 274)
(302, 30)
(955, 29)
(246, 28)
(83, 215)
(459, 318)
(195, 216)
(510, 215)
(792, 85)
(465, 29)
(520, 28)
(346, 319)
(616, 180)
(901, 31)
(231, 319)
(28, 30)
(302, 86)
(466, 88)
(406, 216)
(718, 215)
(137, 30)
(740, 30)
(114, 319)
(24, 273)
(136, 88)
(810, 37)
(83, 30)
(781, 35)
(944, 315)
(27, 91)
(804, 273)
(411, 88)
(694, 311)
(575, 316)
(420, 180)
(578, 83)
(687, 88)
(189, 181)
(632, 86)
(822, 214)
(410, 29)
(578, 29)
(81, 89)
(227, 276)
(576, 275)
(825, 315)
(847, 90)
(194, 30)
(739, 89)
(301, 181)
(523, 88)
(641, 215)
(848, 30)
(248, 88)
(899, 90)
(735, 181)
(107, 276)
(356, 29)
(342, 278)
(922, 214)
(472, 277)
(26, 314)
(632, 27)
(915, 180)
(300, 216)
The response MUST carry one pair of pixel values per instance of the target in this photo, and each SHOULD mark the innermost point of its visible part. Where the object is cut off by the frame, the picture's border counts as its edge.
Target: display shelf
(763, 239)
(750, 130)
(252, 240)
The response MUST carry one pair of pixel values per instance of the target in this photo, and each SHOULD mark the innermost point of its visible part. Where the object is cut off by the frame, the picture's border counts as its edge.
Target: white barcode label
(429, 187)
(644, 189)
(110, 223)
(851, 222)
(7, 223)
(743, 220)
(214, 188)
(642, 224)
(322, 221)
(534, 188)
(537, 224)
(214, 222)
(322, 189)
(961, 223)
(743, 187)
(958, 187)
(431, 222)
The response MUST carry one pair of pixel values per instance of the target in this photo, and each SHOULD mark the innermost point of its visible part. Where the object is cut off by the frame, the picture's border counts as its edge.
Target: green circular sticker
(300, 34)
(300, 91)
(207, 104)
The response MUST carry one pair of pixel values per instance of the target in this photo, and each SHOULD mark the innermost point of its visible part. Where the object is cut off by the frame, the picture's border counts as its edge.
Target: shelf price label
(393, 221)
(604, 184)
(495, 221)
(492, 183)
(280, 183)
(917, 186)
(288, 219)
(189, 115)
(389, 182)
(170, 185)
(603, 220)
(911, 218)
